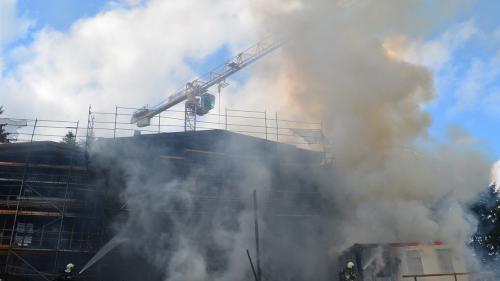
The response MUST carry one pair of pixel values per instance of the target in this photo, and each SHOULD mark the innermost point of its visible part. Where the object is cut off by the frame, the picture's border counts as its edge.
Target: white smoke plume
(495, 175)
(390, 182)
(339, 64)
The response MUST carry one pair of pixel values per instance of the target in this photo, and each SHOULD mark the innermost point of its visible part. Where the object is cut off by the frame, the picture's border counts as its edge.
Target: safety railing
(47, 239)
(260, 124)
(455, 276)
(45, 130)
(102, 124)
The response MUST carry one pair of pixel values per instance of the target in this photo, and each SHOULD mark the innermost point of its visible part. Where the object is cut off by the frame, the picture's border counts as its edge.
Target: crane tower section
(198, 101)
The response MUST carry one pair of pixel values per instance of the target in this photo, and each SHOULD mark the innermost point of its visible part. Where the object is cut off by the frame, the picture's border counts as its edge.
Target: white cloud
(121, 56)
(11, 26)
(476, 91)
(435, 53)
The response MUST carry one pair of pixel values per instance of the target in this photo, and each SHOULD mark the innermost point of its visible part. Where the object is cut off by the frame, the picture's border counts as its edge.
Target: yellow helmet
(69, 267)
(350, 264)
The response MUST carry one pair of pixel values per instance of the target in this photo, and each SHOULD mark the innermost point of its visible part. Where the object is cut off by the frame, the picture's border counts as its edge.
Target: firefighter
(349, 272)
(68, 273)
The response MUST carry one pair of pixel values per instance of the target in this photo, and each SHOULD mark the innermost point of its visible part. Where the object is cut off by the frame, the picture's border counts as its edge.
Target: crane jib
(218, 75)
(243, 64)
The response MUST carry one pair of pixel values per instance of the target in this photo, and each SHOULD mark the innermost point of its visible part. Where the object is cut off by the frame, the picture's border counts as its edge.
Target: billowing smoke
(390, 181)
(395, 181)
(190, 220)
(495, 175)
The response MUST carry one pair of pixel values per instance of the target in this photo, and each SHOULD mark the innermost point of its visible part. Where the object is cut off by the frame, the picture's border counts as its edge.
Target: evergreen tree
(3, 133)
(486, 241)
(69, 138)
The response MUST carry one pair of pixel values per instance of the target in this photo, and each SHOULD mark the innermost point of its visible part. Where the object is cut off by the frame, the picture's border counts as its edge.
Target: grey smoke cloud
(390, 173)
(390, 182)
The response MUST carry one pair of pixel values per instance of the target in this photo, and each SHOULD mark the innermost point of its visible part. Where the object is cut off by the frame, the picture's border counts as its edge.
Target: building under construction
(50, 209)
(60, 201)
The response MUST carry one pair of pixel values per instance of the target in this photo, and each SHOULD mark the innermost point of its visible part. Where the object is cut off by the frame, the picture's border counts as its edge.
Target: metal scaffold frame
(48, 193)
(43, 208)
(103, 124)
(260, 124)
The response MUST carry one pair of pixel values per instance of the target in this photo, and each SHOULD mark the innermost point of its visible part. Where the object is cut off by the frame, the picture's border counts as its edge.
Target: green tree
(486, 240)
(3, 132)
(69, 138)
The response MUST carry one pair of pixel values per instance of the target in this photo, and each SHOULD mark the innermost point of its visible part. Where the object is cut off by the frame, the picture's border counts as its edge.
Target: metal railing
(456, 276)
(34, 191)
(101, 124)
(260, 124)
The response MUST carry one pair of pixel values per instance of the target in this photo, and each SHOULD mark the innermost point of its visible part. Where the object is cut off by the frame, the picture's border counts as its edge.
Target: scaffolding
(49, 207)
(115, 124)
(212, 176)
(259, 124)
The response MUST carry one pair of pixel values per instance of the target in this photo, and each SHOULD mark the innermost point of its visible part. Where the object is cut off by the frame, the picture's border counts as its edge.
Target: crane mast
(195, 93)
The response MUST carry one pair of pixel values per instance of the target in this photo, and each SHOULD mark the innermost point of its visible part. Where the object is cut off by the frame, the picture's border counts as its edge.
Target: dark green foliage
(69, 138)
(486, 241)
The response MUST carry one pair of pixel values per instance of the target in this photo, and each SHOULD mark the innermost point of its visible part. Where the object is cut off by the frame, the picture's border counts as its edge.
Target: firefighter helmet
(69, 267)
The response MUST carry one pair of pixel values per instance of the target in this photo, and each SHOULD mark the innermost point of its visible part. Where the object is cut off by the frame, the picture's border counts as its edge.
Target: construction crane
(198, 101)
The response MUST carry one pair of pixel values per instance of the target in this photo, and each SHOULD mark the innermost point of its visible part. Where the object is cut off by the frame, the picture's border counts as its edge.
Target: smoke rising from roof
(390, 181)
(393, 181)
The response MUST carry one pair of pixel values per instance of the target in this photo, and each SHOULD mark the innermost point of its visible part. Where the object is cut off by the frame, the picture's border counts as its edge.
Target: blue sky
(467, 84)
(58, 14)
(54, 14)
(481, 115)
